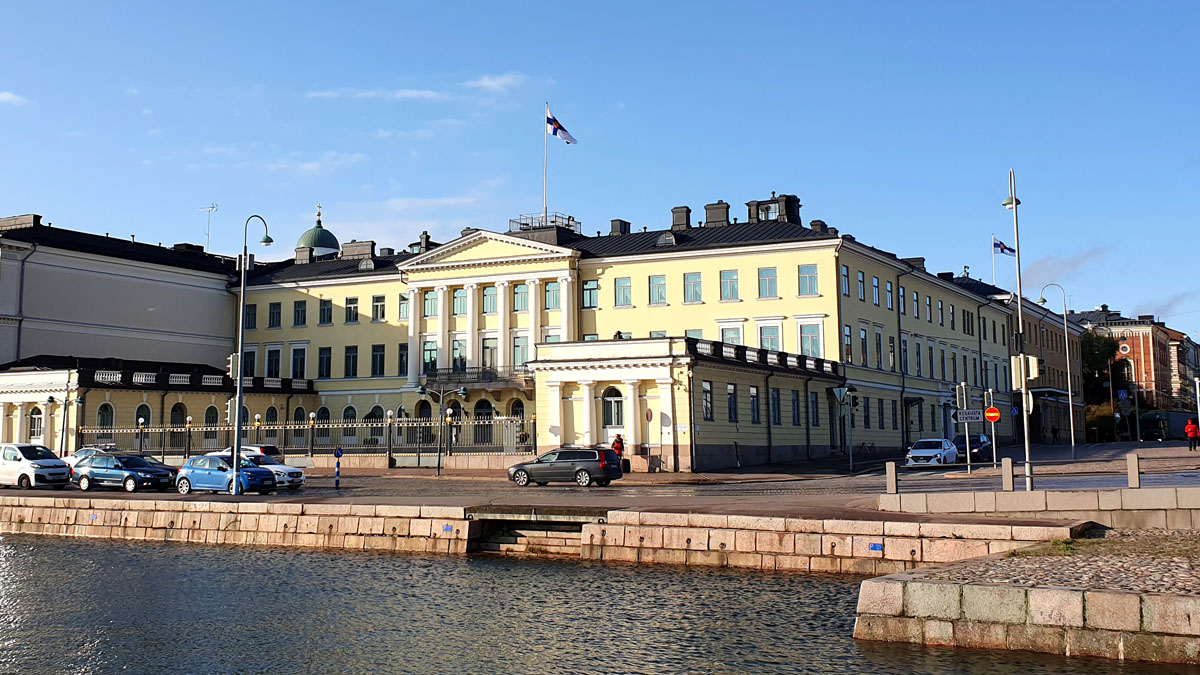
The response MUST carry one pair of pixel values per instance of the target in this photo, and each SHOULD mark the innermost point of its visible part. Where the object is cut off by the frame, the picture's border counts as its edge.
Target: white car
(269, 457)
(73, 458)
(931, 452)
(29, 466)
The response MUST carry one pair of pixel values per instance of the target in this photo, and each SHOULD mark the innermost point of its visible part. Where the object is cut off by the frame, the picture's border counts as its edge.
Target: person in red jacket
(618, 446)
(1193, 434)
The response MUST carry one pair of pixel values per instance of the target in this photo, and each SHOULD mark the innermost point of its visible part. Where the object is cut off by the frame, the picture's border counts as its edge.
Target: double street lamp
(443, 415)
(236, 487)
(1067, 347)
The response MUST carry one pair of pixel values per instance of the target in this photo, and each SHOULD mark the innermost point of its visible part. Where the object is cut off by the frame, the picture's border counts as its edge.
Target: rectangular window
(775, 405)
(489, 299)
(952, 319)
(895, 417)
(658, 289)
(814, 409)
(623, 292)
(429, 362)
(768, 285)
(732, 336)
(795, 408)
(351, 362)
(879, 351)
(403, 305)
(892, 353)
(351, 310)
(458, 356)
(691, 287)
(378, 361)
(731, 395)
(880, 413)
(754, 413)
(275, 315)
(429, 303)
(590, 337)
(729, 285)
(901, 299)
(458, 302)
(697, 333)
(298, 355)
(941, 314)
(888, 293)
(299, 312)
(324, 362)
(810, 339)
(551, 295)
(807, 275)
(930, 348)
(862, 286)
(928, 309)
(248, 364)
(916, 305)
(553, 338)
(847, 352)
(904, 354)
(862, 345)
(378, 308)
(954, 368)
(875, 290)
(591, 294)
(983, 328)
(920, 356)
(866, 406)
(402, 360)
(768, 337)
(250, 317)
(520, 347)
(272, 363)
(975, 371)
(488, 352)
(622, 335)
(520, 297)
(706, 400)
(658, 333)
(845, 281)
(920, 418)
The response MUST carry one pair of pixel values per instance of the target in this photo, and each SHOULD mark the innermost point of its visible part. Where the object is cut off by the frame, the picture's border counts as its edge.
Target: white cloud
(147, 111)
(154, 132)
(12, 99)
(212, 149)
(324, 164)
(409, 204)
(132, 91)
(498, 84)
(385, 94)
(423, 134)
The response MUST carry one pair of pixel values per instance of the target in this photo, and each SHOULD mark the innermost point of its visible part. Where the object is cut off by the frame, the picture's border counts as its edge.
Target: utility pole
(1012, 203)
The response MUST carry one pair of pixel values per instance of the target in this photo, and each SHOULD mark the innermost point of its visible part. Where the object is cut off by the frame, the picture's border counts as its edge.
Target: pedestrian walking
(1054, 433)
(1193, 434)
(618, 446)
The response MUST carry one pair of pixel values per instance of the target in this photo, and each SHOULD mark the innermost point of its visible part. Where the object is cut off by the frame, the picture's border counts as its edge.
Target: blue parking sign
(1122, 395)
(337, 453)
(1015, 411)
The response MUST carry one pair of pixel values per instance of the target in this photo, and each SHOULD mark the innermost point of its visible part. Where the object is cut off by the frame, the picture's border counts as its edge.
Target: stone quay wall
(1120, 625)
(417, 529)
(838, 546)
(1167, 508)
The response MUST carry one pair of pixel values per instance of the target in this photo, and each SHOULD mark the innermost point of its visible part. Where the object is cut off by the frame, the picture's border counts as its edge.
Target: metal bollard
(893, 486)
(1134, 469)
(1006, 473)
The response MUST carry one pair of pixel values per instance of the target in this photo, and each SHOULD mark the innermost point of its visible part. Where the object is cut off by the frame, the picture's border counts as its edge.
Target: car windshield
(34, 452)
(152, 460)
(133, 463)
(261, 460)
(927, 445)
(959, 440)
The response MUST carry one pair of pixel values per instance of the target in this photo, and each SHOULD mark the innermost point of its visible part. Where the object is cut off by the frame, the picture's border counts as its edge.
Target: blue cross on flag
(556, 129)
(1002, 248)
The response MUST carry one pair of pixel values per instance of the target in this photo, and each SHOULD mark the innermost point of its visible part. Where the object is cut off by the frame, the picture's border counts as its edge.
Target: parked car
(981, 447)
(255, 449)
(215, 472)
(567, 465)
(159, 463)
(27, 466)
(931, 451)
(86, 451)
(127, 472)
(289, 477)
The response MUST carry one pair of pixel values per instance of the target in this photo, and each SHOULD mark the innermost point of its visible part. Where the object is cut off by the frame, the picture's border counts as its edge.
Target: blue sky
(896, 122)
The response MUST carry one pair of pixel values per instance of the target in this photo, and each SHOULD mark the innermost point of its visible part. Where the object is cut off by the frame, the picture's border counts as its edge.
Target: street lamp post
(237, 436)
(1067, 346)
(443, 416)
(187, 440)
(1012, 203)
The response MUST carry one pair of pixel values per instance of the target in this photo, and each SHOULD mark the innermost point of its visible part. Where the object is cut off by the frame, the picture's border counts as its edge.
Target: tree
(1096, 351)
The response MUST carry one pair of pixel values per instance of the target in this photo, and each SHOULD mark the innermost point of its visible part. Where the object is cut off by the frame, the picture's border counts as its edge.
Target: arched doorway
(322, 430)
(178, 421)
(271, 422)
(37, 429)
(105, 419)
(211, 419)
(375, 417)
(141, 418)
(517, 409)
(484, 432)
(423, 431)
(349, 424)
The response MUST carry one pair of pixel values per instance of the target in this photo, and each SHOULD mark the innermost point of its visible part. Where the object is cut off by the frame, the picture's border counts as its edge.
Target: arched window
(424, 431)
(517, 409)
(349, 414)
(178, 420)
(375, 416)
(105, 417)
(271, 420)
(483, 422)
(323, 424)
(614, 408)
(299, 417)
(211, 419)
(35, 424)
(142, 415)
(349, 426)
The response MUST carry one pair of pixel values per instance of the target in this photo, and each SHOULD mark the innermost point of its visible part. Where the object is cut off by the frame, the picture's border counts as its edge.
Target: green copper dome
(318, 238)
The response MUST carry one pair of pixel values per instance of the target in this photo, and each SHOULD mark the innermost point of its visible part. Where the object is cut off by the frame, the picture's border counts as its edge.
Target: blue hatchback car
(127, 472)
(215, 472)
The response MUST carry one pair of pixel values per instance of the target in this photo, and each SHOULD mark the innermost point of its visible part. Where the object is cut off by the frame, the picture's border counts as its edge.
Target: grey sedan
(582, 467)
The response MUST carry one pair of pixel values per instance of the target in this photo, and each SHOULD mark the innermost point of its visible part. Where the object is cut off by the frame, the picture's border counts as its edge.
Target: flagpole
(993, 259)
(545, 159)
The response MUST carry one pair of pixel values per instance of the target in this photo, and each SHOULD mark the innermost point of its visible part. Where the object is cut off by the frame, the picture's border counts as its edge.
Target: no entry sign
(992, 414)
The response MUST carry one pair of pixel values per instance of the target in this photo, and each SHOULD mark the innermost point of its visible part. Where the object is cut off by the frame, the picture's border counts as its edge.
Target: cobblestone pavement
(1147, 561)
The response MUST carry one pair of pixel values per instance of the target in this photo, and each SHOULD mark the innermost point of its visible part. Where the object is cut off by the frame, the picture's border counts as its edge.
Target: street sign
(967, 416)
(337, 453)
(1122, 394)
(992, 414)
(1125, 407)
(1014, 411)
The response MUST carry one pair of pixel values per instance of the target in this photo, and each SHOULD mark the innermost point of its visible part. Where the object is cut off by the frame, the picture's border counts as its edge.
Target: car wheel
(583, 478)
(603, 483)
(229, 486)
(85, 483)
(130, 484)
(183, 487)
(24, 483)
(521, 477)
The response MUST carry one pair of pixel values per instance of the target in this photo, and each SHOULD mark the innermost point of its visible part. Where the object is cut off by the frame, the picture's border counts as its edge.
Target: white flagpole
(545, 159)
(993, 259)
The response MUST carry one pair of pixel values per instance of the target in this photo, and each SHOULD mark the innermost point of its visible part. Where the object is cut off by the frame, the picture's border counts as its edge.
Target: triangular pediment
(487, 247)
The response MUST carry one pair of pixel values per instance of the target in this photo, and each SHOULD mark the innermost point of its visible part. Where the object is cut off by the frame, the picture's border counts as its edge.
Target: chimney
(918, 263)
(193, 248)
(619, 227)
(352, 249)
(818, 226)
(716, 215)
(387, 251)
(789, 209)
(18, 222)
(304, 255)
(424, 239)
(948, 276)
(1103, 308)
(681, 218)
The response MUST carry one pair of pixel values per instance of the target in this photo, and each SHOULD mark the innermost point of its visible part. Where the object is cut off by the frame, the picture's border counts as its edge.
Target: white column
(48, 426)
(633, 414)
(414, 335)
(554, 409)
(22, 423)
(504, 317)
(534, 293)
(589, 413)
(667, 421)
(566, 303)
(4, 422)
(472, 325)
(443, 322)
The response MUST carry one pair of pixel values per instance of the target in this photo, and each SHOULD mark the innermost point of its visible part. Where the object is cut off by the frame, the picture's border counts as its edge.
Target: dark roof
(54, 362)
(978, 287)
(697, 238)
(288, 270)
(71, 240)
(1096, 316)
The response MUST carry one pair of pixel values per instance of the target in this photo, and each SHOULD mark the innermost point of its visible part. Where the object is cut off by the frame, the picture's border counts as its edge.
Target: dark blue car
(128, 472)
(215, 472)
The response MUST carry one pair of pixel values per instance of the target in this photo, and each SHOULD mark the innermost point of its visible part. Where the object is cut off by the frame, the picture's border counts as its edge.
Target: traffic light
(231, 366)
(1041, 368)
(229, 406)
(854, 401)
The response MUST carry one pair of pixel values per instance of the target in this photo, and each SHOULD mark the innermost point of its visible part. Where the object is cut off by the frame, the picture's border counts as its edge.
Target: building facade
(1144, 349)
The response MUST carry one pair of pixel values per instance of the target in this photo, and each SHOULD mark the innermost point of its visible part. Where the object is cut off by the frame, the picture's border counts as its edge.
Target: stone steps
(527, 549)
(529, 541)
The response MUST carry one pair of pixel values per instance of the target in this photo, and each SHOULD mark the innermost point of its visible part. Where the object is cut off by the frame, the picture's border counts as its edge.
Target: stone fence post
(1134, 470)
(1006, 473)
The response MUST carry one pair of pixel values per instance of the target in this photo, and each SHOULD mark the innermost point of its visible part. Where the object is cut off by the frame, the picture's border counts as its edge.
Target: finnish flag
(1003, 248)
(556, 129)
